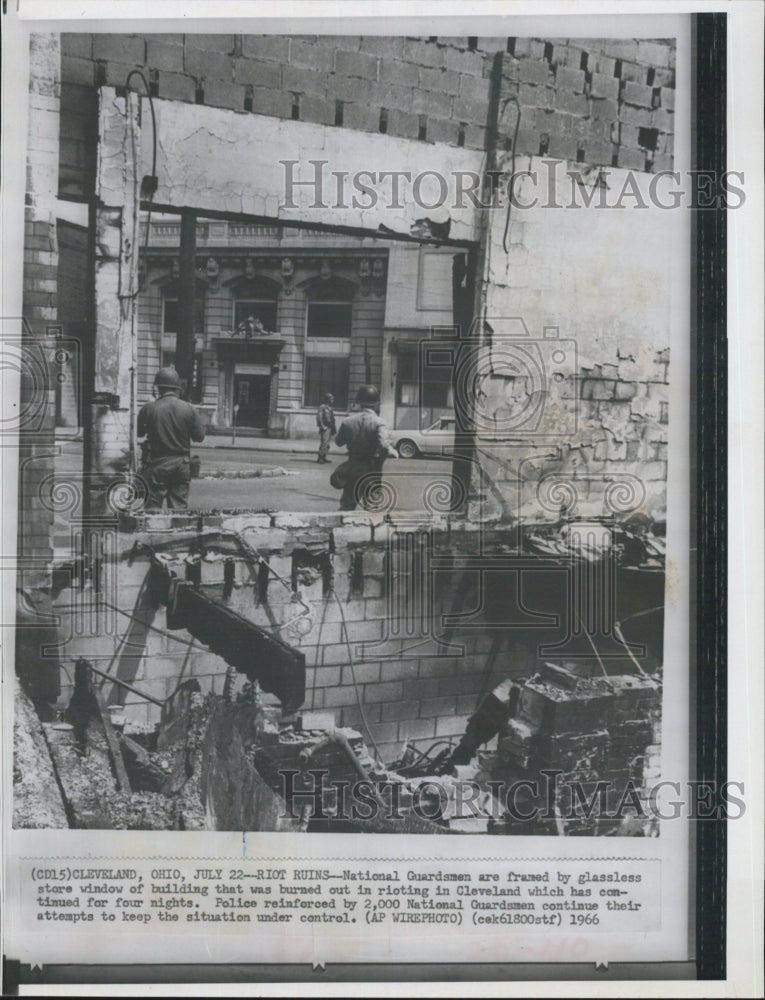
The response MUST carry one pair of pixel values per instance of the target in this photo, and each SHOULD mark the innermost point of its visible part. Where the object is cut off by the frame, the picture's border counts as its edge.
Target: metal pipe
(129, 687)
(130, 300)
(325, 227)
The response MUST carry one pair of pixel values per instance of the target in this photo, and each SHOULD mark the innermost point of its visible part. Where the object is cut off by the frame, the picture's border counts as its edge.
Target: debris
(37, 802)
(316, 720)
(584, 729)
(278, 470)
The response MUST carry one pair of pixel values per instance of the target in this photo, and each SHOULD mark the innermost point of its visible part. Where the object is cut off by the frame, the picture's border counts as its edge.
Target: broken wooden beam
(87, 707)
(278, 667)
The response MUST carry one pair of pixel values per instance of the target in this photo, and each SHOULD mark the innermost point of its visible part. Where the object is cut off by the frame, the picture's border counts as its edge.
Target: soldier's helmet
(167, 378)
(368, 395)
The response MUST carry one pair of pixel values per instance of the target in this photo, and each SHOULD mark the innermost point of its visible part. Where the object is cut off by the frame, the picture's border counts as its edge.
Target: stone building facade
(284, 315)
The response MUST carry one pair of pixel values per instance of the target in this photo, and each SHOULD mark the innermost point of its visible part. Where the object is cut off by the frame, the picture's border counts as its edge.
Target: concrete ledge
(238, 520)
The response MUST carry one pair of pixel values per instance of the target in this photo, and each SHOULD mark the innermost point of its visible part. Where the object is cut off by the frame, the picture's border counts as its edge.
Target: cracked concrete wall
(117, 242)
(209, 158)
(598, 290)
(215, 159)
(117, 221)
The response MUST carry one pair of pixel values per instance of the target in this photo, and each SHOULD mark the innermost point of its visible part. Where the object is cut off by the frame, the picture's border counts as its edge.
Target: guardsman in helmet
(365, 435)
(169, 424)
(325, 421)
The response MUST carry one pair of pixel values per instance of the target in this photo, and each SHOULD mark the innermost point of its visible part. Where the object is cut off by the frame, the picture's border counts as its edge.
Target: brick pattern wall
(602, 102)
(601, 280)
(623, 418)
(420, 694)
(599, 102)
(325, 79)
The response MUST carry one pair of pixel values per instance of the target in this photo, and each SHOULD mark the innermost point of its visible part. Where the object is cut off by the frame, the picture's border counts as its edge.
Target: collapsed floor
(230, 763)
(261, 751)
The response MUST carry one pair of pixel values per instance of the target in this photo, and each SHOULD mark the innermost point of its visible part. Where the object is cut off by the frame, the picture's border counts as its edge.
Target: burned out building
(227, 203)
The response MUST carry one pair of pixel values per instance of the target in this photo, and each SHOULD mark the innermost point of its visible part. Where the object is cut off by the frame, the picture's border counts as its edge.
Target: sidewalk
(222, 442)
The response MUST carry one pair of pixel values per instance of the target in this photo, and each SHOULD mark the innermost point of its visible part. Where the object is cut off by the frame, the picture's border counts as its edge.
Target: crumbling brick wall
(415, 617)
(601, 101)
(608, 293)
(411, 683)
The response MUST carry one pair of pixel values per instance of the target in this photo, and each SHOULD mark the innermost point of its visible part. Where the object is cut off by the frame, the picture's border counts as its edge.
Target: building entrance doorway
(252, 396)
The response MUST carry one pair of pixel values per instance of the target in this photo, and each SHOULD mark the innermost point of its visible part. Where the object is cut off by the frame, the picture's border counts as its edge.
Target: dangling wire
(594, 648)
(513, 100)
(131, 74)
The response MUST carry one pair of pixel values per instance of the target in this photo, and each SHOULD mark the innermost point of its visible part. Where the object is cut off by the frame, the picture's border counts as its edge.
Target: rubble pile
(37, 801)
(232, 763)
(565, 739)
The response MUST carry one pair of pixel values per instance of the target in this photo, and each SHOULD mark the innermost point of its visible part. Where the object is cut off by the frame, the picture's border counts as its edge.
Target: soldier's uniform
(366, 437)
(170, 424)
(325, 421)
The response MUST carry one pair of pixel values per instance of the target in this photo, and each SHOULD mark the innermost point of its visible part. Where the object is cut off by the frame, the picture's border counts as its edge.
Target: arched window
(255, 301)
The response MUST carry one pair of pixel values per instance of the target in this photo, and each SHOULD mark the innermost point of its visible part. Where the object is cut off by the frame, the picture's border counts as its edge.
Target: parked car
(434, 440)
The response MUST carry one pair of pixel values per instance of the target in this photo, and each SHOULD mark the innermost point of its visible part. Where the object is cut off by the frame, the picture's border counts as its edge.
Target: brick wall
(603, 280)
(411, 688)
(378, 637)
(605, 102)
(599, 102)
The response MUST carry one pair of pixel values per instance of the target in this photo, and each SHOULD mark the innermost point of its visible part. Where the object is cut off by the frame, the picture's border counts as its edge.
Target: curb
(239, 447)
(269, 472)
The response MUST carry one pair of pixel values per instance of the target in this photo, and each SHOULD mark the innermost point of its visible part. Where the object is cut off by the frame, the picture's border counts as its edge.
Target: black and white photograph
(354, 469)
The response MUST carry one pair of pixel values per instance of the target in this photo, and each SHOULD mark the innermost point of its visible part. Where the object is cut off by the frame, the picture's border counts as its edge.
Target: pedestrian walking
(366, 437)
(325, 421)
(169, 425)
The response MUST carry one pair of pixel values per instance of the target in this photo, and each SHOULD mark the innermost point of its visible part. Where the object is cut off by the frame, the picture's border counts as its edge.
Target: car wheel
(406, 448)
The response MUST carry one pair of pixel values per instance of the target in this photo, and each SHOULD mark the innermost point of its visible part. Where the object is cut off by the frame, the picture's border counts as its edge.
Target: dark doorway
(252, 394)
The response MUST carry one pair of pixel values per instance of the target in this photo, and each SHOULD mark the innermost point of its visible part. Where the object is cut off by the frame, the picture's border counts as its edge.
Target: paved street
(407, 481)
